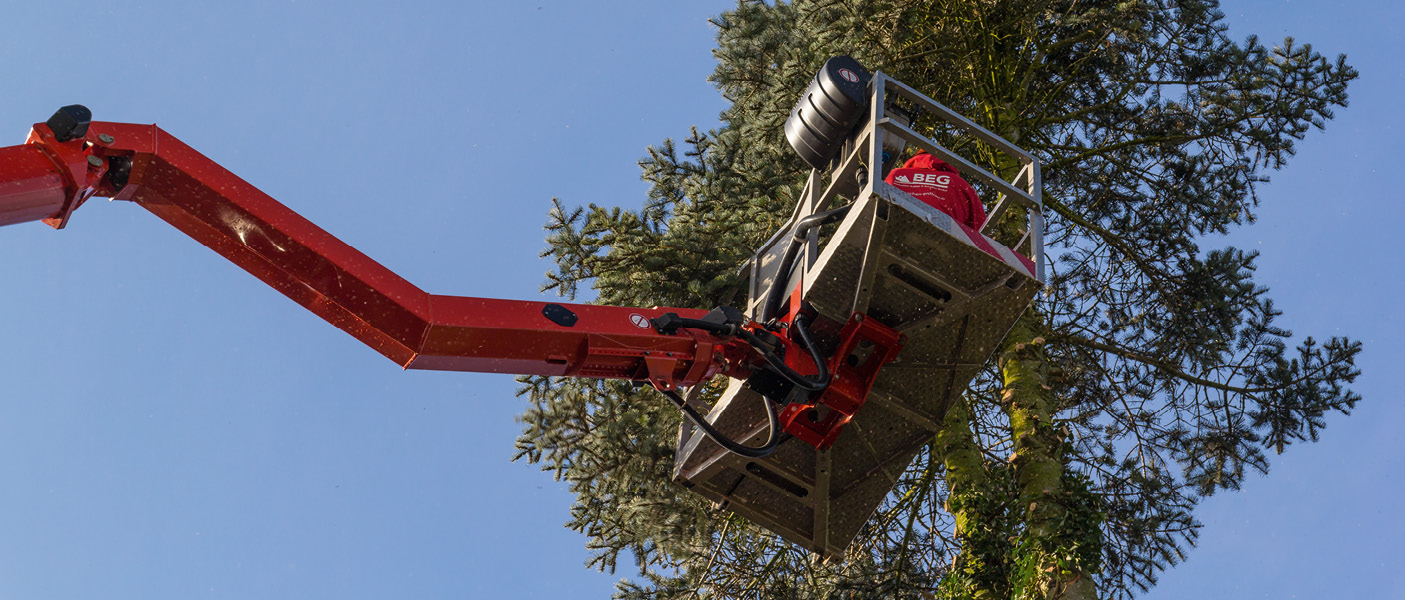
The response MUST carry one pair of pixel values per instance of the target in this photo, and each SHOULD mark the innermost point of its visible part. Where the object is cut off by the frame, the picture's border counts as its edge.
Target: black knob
(70, 122)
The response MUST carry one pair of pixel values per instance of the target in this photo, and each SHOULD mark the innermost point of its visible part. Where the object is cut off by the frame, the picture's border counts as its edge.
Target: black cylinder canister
(828, 110)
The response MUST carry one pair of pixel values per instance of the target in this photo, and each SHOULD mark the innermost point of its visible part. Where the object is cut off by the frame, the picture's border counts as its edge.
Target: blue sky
(171, 428)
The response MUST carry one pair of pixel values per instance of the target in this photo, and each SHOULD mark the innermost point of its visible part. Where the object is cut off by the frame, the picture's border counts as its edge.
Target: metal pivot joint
(865, 346)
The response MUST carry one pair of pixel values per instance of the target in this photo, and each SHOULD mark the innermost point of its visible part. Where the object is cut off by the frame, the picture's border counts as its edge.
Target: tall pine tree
(1152, 373)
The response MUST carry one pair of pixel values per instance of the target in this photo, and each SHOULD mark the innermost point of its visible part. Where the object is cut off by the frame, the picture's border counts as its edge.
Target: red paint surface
(348, 289)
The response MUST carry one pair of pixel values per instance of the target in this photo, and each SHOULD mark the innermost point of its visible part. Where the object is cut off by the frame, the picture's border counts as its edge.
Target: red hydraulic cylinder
(31, 185)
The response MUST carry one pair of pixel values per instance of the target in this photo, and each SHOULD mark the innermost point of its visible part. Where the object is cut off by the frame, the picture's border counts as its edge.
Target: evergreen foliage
(1152, 374)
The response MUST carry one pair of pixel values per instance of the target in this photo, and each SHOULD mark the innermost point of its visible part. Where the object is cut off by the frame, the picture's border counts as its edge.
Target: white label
(932, 180)
(849, 76)
(639, 321)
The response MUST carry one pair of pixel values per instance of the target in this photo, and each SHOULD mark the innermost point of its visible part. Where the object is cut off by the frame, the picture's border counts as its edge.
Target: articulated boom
(54, 173)
(69, 159)
(868, 313)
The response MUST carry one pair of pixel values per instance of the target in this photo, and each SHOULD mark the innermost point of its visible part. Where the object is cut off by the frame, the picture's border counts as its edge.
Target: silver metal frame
(1025, 189)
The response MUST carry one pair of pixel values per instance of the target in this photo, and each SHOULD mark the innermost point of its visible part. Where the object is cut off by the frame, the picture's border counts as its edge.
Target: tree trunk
(1045, 567)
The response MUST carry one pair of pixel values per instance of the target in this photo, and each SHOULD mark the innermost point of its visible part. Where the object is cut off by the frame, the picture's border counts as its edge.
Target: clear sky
(172, 428)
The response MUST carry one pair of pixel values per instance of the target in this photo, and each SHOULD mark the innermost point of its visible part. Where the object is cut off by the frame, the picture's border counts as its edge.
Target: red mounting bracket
(865, 346)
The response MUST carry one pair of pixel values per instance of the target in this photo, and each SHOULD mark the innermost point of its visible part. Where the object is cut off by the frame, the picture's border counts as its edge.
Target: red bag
(939, 185)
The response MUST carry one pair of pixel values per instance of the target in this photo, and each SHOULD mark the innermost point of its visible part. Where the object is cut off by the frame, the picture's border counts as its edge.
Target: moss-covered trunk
(1059, 545)
(977, 501)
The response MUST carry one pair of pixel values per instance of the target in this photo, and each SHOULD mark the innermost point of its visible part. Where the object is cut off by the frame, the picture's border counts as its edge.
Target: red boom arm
(68, 160)
(47, 179)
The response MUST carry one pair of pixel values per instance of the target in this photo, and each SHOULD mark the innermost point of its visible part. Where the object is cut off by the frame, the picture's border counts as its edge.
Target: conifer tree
(1151, 373)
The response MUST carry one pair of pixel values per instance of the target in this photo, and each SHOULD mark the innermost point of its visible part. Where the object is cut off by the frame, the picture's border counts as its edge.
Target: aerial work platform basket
(951, 292)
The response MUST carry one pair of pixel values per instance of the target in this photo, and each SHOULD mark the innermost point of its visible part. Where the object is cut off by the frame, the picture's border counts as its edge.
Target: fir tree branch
(1175, 370)
(721, 539)
(1110, 238)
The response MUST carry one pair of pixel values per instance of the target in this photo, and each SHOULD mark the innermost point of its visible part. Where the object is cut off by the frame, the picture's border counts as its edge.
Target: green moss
(978, 499)
(1061, 542)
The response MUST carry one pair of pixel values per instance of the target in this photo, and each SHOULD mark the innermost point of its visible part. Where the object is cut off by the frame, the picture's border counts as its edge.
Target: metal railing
(866, 148)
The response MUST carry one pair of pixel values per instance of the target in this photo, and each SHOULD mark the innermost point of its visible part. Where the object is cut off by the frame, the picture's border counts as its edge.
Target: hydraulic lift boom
(818, 340)
(69, 159)
(56, 171)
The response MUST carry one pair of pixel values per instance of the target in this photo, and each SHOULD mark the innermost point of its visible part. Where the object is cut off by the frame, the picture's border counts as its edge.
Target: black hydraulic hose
(773, 439)
(818, 383)
(821, 369)
(726, 329)
(799, 233)
(777, 434)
